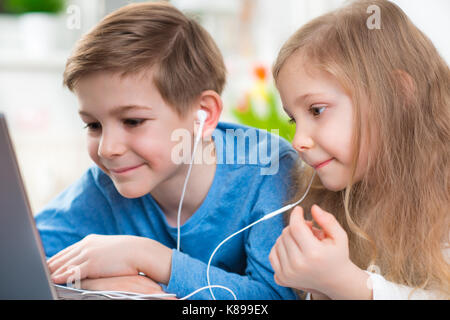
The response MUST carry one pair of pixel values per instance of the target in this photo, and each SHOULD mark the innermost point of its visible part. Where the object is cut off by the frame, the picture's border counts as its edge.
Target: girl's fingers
(300, 230)
(274, 260)
(283, 255)
(328, 223)
(277, 280)
(290, 245)
(318, 233)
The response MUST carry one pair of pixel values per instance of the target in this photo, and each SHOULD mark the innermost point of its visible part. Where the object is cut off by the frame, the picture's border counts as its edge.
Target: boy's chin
(131, 191)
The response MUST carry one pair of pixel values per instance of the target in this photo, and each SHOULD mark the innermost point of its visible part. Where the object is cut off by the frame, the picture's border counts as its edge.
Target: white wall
(42, 115)
(433, 18)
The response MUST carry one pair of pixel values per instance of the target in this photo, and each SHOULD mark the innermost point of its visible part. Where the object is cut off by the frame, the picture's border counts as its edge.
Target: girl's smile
(322, 164)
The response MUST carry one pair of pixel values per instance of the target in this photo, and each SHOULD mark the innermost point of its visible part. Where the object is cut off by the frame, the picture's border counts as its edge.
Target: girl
(372, 113)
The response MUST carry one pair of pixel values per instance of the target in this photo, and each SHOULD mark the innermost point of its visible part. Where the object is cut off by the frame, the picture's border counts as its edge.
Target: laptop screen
(23, 270)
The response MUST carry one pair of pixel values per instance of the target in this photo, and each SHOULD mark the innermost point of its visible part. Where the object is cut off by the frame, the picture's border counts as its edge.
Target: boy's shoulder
(249, 145)
(96, 178)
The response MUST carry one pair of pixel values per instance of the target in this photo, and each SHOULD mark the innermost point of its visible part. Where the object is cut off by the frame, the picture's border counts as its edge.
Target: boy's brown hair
(185, 59)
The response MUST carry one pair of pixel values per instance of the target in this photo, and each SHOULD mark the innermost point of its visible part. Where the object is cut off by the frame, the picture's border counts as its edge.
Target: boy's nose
(110, 146)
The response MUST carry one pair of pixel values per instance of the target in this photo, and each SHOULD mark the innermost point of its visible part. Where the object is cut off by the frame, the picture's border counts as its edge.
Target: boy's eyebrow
(120, 109)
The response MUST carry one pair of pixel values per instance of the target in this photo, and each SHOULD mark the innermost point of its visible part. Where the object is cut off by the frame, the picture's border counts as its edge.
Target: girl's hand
(311, 259)
(98, 256)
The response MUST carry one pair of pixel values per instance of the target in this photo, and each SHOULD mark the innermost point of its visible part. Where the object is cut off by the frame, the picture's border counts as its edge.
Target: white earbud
(202, 115)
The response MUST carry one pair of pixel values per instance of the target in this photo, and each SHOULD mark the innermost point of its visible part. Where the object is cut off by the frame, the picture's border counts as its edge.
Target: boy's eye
(94, 126)
(133, 122)
(316, 111)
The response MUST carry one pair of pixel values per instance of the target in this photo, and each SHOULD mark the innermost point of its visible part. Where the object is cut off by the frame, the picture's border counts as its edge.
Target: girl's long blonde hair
(397, 216)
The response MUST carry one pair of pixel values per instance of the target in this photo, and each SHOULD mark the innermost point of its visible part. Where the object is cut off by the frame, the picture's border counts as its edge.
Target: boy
(140, 76)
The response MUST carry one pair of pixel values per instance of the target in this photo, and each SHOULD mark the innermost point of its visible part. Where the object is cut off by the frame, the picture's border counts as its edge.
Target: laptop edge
(23, 268)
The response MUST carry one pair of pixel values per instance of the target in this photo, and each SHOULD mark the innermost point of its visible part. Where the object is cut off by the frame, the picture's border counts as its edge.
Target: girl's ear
(406, 83)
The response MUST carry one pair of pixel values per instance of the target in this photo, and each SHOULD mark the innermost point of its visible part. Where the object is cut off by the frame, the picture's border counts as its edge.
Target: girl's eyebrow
(285, 110)
(299, 100)
(119, 110)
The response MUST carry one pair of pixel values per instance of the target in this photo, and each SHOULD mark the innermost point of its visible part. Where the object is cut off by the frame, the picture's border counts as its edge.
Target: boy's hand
(101, 256)
(311, 259)
(136, 284)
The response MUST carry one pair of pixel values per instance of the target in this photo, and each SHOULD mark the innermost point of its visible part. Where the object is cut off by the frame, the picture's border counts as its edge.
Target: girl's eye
(316, 111)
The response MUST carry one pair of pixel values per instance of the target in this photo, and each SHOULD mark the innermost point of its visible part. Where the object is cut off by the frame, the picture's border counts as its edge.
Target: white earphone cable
(197, 140)
(266, 217)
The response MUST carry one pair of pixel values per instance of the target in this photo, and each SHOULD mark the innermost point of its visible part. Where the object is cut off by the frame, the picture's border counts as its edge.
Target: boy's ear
(211, 103)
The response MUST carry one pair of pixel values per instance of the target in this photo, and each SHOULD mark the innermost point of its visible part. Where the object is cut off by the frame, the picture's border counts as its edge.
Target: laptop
(23, 267)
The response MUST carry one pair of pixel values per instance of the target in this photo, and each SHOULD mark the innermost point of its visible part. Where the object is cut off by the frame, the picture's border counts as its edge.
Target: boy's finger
(72, 273)
(68, 265)
(55, 264)
(60, 254)
(327, 222)
(301, 233)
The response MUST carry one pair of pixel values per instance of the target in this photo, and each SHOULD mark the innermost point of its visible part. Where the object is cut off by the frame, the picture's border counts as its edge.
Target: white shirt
(383, 289)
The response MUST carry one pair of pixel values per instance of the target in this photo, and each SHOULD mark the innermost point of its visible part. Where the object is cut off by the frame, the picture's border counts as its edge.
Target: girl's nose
(302, 142)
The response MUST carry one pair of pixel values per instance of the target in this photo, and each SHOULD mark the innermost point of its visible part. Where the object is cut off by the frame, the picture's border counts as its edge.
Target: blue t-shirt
(246, 186)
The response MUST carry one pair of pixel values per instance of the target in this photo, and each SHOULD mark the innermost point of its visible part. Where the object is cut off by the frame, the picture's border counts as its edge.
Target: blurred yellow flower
(263, 96)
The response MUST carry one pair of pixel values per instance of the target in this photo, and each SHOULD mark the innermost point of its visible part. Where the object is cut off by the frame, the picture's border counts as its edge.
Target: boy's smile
(323, 113)
(125, 170)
